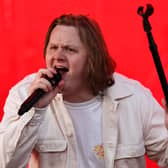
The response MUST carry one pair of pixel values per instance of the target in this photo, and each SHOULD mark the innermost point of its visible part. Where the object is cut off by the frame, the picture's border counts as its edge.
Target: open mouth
(62, 69)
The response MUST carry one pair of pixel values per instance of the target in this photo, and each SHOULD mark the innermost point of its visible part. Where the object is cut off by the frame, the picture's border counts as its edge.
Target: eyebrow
(65, 45)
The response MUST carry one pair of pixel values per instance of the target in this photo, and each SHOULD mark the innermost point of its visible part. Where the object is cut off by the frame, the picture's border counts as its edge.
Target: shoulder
(125, 87)
(130, 84)
(134, 93)
(17, 94)
(22, 86)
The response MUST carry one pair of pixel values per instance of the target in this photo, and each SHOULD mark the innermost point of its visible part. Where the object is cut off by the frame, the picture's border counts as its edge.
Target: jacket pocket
(51, 146)
(52, 153)
(129, 151)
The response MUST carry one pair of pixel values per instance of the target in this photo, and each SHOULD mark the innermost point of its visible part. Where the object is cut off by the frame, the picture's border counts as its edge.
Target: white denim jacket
(133, 124)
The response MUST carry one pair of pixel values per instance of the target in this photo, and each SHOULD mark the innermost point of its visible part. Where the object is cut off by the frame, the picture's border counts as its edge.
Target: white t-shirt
(86, 118)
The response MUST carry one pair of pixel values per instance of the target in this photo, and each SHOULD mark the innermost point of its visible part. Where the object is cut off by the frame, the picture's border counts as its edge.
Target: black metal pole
(153, 48)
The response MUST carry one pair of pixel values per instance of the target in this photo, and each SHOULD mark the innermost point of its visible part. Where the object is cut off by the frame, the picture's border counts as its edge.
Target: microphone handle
(37, 94)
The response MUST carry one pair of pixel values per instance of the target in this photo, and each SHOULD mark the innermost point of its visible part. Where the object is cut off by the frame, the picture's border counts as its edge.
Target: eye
(53, 47)
(70, 49)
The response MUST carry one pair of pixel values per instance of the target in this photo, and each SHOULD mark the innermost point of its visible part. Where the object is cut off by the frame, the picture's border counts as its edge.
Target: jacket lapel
(111, 101)
(110, 131)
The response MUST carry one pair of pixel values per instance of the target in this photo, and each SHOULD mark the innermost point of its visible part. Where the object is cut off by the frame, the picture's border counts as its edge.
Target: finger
(41, 83)
(53, 70)
(46, 83)
(35, 87)
(45, 72)
(40, 73)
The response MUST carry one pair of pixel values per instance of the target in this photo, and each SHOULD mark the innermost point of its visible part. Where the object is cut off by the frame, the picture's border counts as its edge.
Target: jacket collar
(119, 90)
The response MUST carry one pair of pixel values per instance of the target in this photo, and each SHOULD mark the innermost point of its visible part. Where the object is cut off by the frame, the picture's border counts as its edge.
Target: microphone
(37, 94)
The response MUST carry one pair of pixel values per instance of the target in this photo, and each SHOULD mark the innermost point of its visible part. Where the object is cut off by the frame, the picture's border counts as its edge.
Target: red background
(23, 25)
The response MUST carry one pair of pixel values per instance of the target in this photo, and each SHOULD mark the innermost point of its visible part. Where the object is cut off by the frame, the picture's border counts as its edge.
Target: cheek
(78, 67)
(48, 61)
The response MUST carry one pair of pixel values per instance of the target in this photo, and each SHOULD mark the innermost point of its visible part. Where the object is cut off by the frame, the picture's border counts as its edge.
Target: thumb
(59, 88)
(61, 85)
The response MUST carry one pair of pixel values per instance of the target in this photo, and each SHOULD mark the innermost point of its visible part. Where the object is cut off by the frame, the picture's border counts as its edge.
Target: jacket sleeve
(18, 134)
(155, 132)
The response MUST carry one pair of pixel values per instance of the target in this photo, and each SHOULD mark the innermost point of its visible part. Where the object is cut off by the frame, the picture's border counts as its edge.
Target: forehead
(65, 34)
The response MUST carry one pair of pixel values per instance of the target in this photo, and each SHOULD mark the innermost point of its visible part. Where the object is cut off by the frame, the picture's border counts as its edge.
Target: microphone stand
(153, 47)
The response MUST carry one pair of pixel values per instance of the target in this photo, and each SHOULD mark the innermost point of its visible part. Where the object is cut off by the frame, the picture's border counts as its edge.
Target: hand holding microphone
(43, 89)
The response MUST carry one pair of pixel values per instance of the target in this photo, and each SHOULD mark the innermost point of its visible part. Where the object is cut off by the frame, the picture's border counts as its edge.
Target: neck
(78, 97)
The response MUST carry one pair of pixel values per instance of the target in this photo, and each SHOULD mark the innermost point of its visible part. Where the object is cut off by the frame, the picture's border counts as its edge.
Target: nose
(60, 55)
